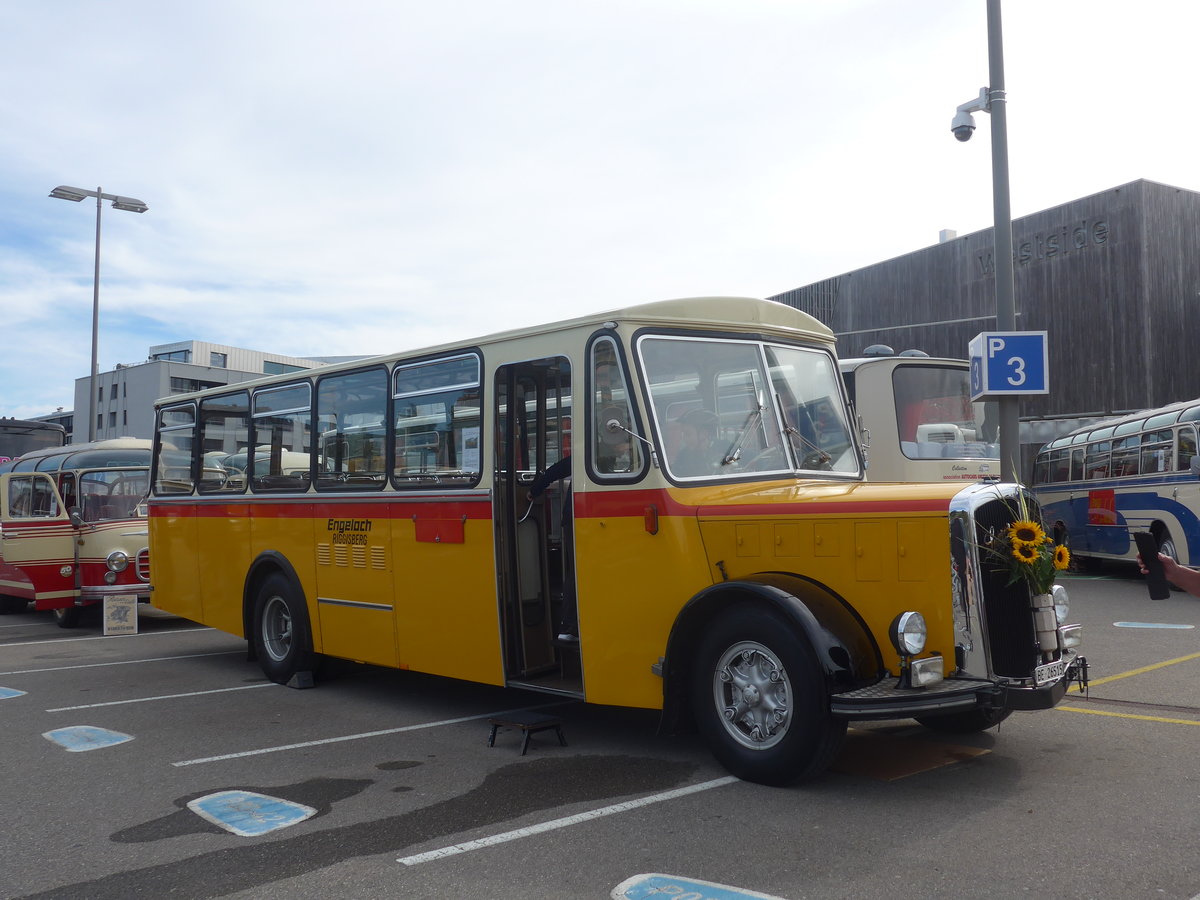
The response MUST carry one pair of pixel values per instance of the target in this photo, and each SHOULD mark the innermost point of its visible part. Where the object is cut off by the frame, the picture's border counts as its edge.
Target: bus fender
(841, 642)
(267, 562)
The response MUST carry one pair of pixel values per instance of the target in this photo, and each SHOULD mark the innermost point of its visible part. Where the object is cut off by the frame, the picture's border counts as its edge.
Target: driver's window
(615, 451)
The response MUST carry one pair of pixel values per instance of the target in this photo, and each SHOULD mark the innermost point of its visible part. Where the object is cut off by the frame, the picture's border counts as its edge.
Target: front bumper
(887, 699)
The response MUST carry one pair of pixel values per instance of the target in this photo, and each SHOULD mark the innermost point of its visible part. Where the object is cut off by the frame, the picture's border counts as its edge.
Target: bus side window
(1077, 464)
(1187, 447)
(1097, 460)
(1125, 456)
(1157, 451)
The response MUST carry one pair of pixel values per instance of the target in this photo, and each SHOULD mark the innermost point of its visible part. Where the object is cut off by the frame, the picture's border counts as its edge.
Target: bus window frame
(241, 482)
(192, 431)
(401, 481)
(287, 483)
(326, 479)
(593, 433)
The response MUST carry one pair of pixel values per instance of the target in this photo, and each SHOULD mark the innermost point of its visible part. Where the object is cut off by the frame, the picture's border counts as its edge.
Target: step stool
(528, 722)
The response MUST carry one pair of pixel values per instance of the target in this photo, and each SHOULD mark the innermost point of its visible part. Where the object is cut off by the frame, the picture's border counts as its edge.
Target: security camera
(963, 125)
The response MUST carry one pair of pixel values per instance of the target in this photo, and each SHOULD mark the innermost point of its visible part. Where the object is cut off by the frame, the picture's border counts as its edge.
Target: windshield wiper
(754, 418)
(815, 457)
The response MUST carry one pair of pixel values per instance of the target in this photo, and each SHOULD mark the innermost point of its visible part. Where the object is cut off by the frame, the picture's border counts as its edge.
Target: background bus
(917, 420)
(73, 527)
(1104, 481)
(18, 436)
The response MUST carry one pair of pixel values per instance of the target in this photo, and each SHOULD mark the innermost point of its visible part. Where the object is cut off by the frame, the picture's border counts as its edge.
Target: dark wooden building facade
(1114, 280)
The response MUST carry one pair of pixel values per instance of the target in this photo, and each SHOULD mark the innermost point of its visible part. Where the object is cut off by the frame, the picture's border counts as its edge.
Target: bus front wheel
(759, 699)
(282, 641)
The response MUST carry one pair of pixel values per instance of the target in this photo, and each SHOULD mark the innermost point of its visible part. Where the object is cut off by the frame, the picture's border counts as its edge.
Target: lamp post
(993, 100)
(130, 204)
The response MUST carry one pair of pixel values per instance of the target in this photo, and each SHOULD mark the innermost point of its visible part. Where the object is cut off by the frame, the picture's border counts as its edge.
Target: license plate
(1049, 672)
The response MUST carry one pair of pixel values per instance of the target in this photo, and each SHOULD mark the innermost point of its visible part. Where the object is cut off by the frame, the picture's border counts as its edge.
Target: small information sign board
(120, 614)
(1008, 364)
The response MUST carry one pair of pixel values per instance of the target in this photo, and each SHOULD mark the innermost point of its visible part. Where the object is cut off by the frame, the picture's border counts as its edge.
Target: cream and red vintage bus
(73, 527)
(917, 420)
(714, 552)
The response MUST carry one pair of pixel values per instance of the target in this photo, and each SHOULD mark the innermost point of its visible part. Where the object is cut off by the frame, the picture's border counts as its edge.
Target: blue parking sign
(1009, 363)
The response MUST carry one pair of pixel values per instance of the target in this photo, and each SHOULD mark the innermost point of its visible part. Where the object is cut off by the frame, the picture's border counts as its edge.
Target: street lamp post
(130, 204)
(993, 100)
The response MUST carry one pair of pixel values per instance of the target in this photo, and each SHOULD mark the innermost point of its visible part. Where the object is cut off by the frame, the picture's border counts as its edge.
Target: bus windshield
(727, 407)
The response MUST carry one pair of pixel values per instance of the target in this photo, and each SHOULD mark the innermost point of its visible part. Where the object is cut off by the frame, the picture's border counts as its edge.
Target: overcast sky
(365, 177)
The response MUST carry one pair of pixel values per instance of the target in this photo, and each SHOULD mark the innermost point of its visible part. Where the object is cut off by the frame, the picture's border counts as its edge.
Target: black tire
(10, 605)
(68, 617)
(784, 732)
(281, 635)
(968, 722)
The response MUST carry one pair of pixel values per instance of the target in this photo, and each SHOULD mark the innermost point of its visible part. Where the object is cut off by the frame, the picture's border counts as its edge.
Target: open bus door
(532, 538)
(39, 553)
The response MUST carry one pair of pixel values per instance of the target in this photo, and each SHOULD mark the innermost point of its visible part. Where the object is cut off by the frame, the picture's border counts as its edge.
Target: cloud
(381, 175)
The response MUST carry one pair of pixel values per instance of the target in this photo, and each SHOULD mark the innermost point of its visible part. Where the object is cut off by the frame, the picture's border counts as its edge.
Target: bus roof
(849, 365)
(745, 314)
(121, 445)
(1182, 411)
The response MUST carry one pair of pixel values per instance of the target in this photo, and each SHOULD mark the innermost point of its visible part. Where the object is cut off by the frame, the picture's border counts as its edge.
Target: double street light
(129, 204)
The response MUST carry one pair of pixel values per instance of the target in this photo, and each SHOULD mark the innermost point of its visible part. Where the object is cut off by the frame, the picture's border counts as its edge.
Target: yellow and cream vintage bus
(711, 549)
(73, 527)
(916, 418)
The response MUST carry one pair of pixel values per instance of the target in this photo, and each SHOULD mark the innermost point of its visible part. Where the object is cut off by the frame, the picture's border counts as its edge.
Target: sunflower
(1026, 553)
(1062, 557)
(1026, 532)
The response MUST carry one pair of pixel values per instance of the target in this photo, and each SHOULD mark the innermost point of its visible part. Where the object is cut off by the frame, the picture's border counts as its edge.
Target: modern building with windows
(124, 402)
(1112, 278)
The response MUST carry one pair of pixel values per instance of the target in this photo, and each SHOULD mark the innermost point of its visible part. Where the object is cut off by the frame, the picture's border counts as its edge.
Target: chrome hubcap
(277, 629)
(752, 692)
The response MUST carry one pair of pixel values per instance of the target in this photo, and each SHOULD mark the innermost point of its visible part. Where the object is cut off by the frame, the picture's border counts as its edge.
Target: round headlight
(1062, 603)
(908, 633)
(117, 561)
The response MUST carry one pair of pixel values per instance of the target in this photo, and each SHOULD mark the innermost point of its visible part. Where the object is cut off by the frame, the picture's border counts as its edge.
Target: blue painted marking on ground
(248, 814)
(659, 886)
(78, 738)
(1150, 625)
(9, 693)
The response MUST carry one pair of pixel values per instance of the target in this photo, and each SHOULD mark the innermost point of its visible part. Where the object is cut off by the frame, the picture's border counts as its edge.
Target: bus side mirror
(1195, 466)
(76, 516)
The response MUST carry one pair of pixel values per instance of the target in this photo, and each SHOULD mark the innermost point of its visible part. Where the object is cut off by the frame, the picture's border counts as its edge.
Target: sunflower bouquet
(1028, 554)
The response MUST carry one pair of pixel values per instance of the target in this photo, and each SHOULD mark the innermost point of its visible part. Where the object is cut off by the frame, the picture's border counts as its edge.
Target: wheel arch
(840, 639)
(266, 564)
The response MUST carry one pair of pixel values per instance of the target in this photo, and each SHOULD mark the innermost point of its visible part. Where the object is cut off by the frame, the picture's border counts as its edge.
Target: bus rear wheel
(282, 640)
(759, 699)
(68, 616)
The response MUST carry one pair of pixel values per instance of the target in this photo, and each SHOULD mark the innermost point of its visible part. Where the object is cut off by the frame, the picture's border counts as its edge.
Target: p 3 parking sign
(1009, 364)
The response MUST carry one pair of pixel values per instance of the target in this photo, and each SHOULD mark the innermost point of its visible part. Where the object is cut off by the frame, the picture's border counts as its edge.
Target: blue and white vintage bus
(1137, 472)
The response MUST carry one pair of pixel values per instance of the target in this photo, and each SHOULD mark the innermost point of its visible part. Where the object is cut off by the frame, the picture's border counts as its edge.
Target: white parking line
(124, 662)
(566, 821)
(244, 687)
(106, 637)
(359, 737)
